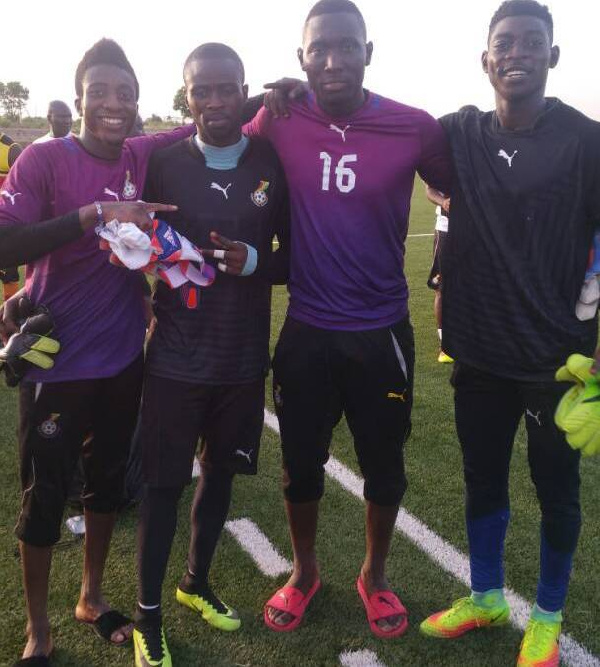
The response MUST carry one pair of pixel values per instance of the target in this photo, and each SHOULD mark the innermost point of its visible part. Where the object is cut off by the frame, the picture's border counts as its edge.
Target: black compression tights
(156, 529)
(209, 512)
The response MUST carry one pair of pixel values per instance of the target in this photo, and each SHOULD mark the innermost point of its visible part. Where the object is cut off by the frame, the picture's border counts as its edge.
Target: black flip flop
(105, 625)
(34, 661)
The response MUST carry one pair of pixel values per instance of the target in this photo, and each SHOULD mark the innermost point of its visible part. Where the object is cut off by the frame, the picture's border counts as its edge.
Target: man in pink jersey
(350, 158)
(54, 197)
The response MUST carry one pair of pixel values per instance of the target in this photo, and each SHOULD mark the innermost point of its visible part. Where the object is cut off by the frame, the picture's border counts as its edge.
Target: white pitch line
(448, 557)
(254, 542)
(362, 658)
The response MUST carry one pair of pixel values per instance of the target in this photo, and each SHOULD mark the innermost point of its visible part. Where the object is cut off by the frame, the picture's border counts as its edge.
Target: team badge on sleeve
(129, 189)
(259, 196)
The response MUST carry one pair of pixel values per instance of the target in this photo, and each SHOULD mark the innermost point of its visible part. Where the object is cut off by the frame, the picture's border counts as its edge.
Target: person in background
(60, 121)
(9, 152)
(442, 210)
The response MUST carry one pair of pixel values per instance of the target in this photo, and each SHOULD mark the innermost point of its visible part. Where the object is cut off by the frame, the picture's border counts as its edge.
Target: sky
(426, 53)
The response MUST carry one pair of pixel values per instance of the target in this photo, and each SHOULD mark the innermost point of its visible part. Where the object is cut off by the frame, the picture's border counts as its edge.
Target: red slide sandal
(291, 600)
(382, 604)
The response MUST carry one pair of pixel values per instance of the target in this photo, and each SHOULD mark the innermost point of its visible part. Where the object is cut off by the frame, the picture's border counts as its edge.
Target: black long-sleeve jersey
(524, 208)
(224, 339)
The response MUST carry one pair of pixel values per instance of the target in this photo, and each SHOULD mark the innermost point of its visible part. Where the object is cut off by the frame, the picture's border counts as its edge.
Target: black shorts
(435, 274)
(61, 422)
(318, 375)
(9, 275)
(175, 415)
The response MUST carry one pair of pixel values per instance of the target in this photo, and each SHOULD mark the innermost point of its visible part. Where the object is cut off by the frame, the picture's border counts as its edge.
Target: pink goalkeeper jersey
(97, 307)
(350, 182)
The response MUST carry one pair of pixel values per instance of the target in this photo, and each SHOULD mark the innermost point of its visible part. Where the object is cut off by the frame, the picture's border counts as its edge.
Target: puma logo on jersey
(400, 397)
(247, 455)
(335, 128)
(509, 158)
(536, 417)
(216, 186)
(110, 193)
(10, 195)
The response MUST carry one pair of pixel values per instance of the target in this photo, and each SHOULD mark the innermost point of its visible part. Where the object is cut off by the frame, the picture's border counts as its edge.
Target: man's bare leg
(35, 562)
(302, 520)
(91, 605)
(380, 522)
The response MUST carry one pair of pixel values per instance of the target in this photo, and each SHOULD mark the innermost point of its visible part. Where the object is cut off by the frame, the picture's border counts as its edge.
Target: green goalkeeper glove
(578, 413)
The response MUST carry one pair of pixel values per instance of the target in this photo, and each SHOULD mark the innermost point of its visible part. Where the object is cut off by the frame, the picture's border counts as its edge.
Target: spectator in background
(9, 152)
(60, 120)
(434, 281)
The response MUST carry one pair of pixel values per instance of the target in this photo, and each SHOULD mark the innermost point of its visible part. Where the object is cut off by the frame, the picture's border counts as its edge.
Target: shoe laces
(538, 636)
(462, 607)
(152, 635)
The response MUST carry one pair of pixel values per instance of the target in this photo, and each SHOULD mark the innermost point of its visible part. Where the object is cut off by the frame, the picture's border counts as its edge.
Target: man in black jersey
(525, 204)
(209, 355)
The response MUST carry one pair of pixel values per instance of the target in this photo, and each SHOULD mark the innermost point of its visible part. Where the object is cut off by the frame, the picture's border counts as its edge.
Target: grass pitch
(335, 621)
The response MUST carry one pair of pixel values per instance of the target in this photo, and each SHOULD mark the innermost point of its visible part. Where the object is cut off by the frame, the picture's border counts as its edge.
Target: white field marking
(255, 543)
(448, 558)
(362, 658)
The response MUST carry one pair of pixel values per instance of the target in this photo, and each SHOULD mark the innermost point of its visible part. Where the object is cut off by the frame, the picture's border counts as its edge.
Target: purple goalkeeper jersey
(351, 182)
(97, 307)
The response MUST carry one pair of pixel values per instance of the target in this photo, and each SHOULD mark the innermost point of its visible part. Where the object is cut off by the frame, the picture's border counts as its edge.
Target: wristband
(251, 261)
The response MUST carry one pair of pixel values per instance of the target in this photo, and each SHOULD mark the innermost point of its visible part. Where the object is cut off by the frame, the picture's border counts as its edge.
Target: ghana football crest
(129, 189)
(259, 196)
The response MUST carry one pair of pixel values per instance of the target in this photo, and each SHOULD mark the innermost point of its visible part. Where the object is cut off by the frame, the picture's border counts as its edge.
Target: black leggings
(157, 524)
(488, 411)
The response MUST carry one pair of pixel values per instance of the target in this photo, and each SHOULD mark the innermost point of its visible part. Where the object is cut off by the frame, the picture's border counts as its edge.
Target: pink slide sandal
(382, 604)
(291, 600)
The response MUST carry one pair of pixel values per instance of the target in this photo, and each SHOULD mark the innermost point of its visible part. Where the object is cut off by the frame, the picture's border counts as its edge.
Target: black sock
(156, 529)
(142, 615)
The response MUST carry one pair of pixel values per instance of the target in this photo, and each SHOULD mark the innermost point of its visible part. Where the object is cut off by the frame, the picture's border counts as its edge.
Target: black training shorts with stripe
(319, 375)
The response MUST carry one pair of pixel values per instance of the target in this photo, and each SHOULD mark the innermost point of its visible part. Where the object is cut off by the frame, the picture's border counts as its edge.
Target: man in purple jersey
(52, 200)
(346, 347)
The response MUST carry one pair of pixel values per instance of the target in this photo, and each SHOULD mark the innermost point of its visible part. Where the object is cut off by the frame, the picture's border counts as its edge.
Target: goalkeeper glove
(578, 413)
(31, 346)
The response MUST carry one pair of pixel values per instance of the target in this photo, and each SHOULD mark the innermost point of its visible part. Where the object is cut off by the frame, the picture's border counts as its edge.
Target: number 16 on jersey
(345, 178)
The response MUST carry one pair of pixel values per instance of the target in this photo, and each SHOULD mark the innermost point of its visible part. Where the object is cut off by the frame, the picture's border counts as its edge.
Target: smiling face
(334, 55)
(518, 58)
(216, 94)
(108, 106)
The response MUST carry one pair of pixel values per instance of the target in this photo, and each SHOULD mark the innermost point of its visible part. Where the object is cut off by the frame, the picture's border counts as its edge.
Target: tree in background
(13, 98)
(180, 103)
